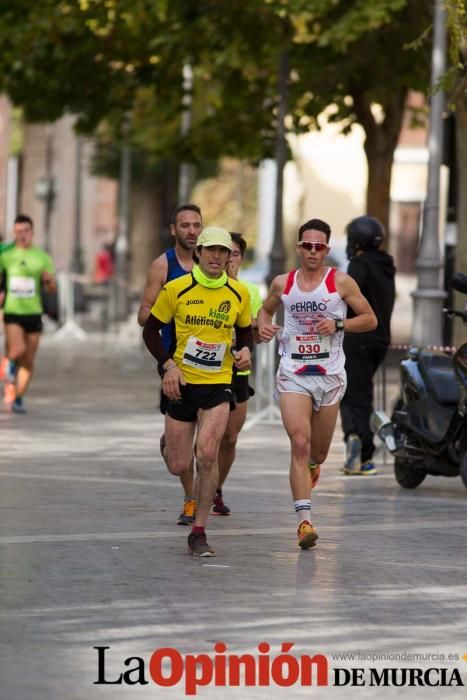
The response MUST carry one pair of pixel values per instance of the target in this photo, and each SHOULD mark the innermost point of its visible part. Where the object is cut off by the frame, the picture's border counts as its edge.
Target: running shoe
(9, 393)
(218, 505)
(368, 468)
(198, 546)
(353, 455)
(315, 471)
(17, 406)
(307, 535)
(187, 517)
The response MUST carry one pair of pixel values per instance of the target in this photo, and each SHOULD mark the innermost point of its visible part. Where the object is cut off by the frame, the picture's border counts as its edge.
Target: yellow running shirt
(204, 323)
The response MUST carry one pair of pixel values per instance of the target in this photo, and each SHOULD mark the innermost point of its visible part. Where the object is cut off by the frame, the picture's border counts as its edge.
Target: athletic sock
(302, 510)
(198, 530)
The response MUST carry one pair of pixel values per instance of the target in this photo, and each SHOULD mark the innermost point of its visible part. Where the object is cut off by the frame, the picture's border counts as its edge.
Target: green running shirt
(255, 305)
(23, 268)
(6, 245)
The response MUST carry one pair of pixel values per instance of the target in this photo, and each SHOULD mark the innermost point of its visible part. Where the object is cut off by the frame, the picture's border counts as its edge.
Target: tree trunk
(381, 138)
(145, 228)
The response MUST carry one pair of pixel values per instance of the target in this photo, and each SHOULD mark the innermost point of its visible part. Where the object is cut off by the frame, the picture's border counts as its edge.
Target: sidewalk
(91, 556)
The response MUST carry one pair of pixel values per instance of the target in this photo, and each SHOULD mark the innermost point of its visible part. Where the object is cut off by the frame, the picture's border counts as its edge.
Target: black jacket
(374, 272)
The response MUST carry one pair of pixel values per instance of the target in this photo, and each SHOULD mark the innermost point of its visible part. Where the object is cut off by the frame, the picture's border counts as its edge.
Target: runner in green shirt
(25, 269)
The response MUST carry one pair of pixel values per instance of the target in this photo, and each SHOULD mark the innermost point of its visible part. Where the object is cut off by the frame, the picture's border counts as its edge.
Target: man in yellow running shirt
(206, 308)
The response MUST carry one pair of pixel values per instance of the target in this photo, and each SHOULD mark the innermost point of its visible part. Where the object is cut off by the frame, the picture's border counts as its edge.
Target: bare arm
(266, 328)
(49, 281)
(254, 327)
(156, 279)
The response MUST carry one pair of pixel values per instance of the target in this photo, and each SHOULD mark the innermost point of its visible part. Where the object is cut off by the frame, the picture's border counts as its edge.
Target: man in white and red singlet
(311, 378)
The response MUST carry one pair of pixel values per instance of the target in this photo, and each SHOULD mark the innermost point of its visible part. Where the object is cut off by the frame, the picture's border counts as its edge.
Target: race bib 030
(310, 348)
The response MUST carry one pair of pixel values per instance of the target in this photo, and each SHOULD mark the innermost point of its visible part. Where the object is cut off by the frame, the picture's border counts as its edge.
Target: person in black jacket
(374, 271)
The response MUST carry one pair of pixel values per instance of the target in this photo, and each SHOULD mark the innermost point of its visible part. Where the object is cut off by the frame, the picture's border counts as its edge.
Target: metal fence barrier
(66, 282)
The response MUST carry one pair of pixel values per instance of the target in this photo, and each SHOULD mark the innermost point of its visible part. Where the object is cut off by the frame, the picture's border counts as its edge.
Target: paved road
(90, 554)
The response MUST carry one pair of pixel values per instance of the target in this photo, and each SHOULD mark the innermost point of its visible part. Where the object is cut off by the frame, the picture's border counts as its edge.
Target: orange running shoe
(307, 535)
(315, 471)
(187, 516)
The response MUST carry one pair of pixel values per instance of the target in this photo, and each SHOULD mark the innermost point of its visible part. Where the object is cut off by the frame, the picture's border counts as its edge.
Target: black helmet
(363, 233)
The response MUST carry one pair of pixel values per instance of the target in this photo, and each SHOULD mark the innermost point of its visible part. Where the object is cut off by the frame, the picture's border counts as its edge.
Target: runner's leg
(212, 423)
(26, 363)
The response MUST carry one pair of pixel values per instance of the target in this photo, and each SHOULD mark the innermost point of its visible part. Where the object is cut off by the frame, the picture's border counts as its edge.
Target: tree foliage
(116, 60)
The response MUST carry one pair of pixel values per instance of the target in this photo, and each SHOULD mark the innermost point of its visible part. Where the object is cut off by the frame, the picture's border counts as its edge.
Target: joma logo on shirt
(194, 301)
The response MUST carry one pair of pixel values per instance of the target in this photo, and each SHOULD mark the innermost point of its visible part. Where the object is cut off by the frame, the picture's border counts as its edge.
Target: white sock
(303, 510)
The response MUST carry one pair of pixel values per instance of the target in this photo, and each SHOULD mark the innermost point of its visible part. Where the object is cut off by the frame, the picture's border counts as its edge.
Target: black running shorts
(196, 396)
(29, 324)
(241, 388)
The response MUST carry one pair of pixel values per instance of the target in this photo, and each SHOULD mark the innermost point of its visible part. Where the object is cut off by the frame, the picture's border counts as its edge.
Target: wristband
(339, 324)
(169, 368)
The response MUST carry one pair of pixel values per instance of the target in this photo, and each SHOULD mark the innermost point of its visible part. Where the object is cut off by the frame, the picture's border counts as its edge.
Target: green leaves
(103, 59)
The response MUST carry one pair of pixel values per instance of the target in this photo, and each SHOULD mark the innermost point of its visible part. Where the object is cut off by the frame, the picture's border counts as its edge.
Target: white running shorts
(324, 389)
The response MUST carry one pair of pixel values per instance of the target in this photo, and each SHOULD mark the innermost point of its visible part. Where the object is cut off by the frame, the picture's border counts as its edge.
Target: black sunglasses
(311, 245)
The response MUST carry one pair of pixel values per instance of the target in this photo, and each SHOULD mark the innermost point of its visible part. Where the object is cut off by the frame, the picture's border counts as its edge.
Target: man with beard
(185, 226)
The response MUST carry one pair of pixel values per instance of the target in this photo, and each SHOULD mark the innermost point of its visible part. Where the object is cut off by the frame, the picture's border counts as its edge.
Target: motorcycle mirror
(459, 282)
(380, 425)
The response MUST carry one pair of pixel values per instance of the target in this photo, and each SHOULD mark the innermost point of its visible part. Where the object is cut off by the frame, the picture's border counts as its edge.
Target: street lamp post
(45, 188)
(77, 260)
(428, 297)
(186, 173)
(121, 247)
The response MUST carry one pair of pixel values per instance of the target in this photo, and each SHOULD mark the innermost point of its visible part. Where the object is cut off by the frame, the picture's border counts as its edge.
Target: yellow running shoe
(187, 516)
(307, 535)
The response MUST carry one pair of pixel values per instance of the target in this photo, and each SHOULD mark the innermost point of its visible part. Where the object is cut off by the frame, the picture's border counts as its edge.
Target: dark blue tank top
(174, 270)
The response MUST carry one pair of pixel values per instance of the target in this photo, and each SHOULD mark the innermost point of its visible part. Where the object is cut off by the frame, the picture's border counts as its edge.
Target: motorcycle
(427, 432)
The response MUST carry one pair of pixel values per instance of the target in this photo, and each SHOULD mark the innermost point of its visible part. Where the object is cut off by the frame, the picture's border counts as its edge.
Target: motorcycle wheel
(406, 475)
(463, 469)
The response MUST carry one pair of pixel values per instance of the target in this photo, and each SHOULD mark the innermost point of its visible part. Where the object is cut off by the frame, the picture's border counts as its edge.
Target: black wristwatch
(339, 324)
